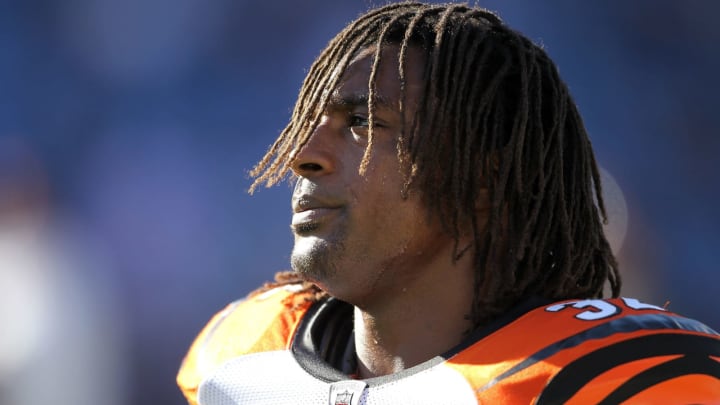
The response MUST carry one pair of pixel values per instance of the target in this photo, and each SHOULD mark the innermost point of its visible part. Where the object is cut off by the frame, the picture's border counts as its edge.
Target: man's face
(355, 236)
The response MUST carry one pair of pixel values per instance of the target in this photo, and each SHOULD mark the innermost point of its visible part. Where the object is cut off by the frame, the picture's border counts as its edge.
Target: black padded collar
(324, 343)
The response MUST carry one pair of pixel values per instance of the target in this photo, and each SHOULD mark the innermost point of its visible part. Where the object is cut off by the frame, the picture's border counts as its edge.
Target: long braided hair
(494, 121)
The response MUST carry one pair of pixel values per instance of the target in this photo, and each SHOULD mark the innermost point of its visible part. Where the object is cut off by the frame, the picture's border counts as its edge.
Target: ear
(491, 169)
(482, 201)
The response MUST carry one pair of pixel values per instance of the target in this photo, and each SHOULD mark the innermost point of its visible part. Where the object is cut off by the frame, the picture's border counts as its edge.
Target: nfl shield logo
(346, 392)
(343, 398)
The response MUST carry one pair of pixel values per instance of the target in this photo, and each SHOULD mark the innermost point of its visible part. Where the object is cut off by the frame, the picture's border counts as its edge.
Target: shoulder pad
(264, 321)
(596, 351)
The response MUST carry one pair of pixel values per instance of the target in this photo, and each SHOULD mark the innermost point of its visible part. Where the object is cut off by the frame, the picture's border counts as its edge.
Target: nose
(317, 156)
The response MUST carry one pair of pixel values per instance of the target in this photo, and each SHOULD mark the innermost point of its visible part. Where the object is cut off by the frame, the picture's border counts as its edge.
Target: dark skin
(359, 240)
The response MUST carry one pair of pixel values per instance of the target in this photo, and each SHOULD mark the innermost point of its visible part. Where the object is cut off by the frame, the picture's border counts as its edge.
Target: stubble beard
(319, 262)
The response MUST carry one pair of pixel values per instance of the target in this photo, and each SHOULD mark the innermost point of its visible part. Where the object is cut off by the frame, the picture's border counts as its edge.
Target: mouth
(310, 220)
(310, 213)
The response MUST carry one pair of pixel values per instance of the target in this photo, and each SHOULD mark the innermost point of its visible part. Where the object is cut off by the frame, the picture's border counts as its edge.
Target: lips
(314, 215)
(309, 211)
(307, 202)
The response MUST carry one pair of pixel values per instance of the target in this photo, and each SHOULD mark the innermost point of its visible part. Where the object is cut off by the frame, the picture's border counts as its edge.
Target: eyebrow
(359, 99)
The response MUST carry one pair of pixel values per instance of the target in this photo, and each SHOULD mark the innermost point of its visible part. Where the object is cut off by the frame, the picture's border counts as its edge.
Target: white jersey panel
(269, 378)
(436, 385)
(273, 378)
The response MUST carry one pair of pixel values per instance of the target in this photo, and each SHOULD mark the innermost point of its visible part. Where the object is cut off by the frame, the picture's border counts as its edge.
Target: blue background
(127, 129)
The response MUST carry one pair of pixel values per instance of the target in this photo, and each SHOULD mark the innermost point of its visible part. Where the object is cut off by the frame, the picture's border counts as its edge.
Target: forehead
(356, 77)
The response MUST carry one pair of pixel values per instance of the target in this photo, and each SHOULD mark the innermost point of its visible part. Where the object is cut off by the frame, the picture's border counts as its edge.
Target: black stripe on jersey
(690, 364)
(627, 324)
(696, 350)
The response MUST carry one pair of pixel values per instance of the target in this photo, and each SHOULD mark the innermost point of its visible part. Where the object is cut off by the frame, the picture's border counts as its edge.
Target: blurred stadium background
(127, 129)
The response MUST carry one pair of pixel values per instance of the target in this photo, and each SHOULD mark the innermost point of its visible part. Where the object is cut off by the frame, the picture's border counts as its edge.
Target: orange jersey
(279, 348)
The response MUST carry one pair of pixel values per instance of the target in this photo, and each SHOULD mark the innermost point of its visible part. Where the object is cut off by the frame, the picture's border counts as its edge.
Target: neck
(423, 318)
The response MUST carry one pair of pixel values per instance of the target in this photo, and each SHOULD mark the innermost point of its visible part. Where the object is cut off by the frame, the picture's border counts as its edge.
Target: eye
(358, 125)
(356, 120)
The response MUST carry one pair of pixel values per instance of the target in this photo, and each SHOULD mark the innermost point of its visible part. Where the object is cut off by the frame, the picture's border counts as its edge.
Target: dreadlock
(494, 121)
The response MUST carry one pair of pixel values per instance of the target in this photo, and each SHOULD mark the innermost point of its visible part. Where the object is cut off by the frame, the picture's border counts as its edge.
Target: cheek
(403, 222)
(379, 199)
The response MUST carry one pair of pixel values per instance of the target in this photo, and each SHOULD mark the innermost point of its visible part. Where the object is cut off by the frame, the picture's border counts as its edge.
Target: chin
(325, 263)
(313, 262)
